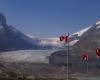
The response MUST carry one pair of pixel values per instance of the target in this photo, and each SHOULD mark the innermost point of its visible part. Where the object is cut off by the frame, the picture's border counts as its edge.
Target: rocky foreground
(26, 71)
(11, 75)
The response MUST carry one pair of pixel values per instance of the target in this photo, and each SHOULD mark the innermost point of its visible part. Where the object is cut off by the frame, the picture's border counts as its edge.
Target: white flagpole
(87, 65)
(68, 58)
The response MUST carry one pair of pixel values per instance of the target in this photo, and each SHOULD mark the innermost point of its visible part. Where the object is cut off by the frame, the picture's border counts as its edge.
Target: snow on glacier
(37, 56)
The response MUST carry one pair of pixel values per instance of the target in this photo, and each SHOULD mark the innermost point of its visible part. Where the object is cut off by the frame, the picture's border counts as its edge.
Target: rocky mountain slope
(88, 41)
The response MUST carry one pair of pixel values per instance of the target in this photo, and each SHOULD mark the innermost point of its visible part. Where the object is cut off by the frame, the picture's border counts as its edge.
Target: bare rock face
(2, 19)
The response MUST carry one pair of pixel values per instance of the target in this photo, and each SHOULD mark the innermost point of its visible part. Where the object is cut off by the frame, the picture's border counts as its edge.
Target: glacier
(36, 56)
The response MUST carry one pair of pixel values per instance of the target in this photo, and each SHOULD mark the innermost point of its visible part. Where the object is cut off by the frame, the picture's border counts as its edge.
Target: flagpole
(66, 43)
(87, 66)
(68, 57)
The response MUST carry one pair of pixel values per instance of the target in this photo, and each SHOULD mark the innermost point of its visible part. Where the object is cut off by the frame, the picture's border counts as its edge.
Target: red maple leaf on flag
(85, 56)
(98, 52)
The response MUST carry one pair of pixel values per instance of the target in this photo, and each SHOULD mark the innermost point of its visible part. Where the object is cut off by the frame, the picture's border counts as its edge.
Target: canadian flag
(64, 38)
(85, 56)
(98, 52)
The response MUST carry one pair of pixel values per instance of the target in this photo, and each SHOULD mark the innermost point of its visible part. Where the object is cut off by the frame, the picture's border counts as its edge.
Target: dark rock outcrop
(12, 39)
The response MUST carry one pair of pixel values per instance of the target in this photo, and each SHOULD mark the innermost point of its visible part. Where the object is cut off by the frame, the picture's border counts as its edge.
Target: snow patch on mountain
(81, 32)
(98, 27)
(71, 43)
(30, 36)
(98, 24)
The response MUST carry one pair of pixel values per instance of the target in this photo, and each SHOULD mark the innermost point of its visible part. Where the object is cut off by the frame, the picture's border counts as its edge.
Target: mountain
(12, 39)
(75, 37)
(89, 41)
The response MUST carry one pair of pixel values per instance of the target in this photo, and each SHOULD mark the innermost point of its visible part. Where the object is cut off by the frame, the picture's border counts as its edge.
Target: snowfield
(36, 56)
